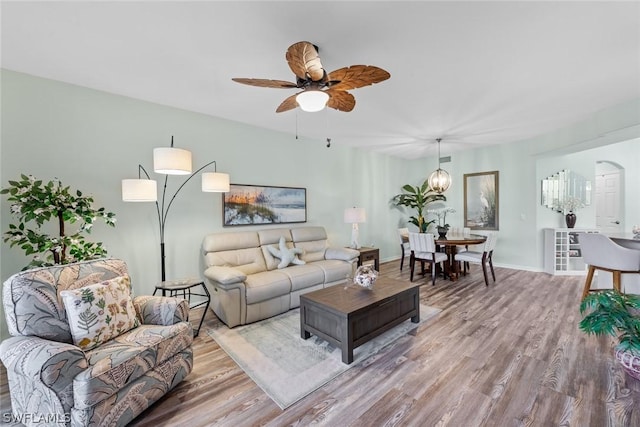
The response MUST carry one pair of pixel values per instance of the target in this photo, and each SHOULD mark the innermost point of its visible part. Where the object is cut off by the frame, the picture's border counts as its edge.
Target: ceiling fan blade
(356, 76)
(282, 84)
(288, 104)
(341, 100)
(304, 61)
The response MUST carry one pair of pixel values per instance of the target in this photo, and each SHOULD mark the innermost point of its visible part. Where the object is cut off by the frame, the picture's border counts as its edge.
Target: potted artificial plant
(34, 203)
(418, 198)
(613, 313)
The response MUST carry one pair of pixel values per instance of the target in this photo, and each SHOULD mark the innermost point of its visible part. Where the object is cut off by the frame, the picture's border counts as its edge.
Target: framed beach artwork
(481, 200)
(258, 204)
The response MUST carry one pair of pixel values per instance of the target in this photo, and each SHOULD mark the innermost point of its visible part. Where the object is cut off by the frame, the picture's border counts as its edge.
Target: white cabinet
(562, 254)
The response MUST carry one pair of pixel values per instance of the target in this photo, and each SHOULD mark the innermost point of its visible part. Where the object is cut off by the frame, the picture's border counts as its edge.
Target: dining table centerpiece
(441, 214)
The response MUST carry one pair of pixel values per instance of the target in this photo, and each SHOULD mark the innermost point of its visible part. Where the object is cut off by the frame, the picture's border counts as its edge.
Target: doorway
(609, 200)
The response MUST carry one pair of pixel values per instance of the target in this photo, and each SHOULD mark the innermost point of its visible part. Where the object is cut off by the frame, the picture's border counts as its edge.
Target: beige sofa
(245, 282)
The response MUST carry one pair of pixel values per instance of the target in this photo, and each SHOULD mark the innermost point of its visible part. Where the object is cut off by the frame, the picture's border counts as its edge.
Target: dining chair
(602, 253)
(423, 249)
(483, 258)
(403, 236)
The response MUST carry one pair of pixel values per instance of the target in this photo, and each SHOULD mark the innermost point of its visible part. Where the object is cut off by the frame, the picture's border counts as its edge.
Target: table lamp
(355, 216)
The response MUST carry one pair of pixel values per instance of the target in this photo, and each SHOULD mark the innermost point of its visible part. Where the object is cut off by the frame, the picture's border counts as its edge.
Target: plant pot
(629, 362)
(570, 219)
(442, 232)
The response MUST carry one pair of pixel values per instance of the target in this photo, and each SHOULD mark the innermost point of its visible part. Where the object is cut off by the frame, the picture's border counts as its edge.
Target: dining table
(451, 242)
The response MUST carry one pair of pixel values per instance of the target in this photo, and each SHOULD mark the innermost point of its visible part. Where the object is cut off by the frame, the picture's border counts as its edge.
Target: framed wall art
(258, 204)
(481, 200)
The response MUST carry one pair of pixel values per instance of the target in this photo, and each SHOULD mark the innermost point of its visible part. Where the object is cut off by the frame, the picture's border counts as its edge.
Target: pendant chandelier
(439, 180)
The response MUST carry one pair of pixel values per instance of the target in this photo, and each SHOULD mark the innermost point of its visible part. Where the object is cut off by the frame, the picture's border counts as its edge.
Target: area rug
(289, 368)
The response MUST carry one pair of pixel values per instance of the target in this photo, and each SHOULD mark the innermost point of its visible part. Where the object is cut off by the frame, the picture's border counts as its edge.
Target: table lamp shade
(171, 161)
(139, 190)
(215, 182)
(355, 215)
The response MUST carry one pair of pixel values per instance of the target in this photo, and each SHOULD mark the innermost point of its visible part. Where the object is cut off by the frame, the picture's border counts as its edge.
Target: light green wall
(91, 140)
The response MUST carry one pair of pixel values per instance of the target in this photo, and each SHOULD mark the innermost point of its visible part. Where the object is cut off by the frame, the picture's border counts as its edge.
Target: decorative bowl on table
(365, 276)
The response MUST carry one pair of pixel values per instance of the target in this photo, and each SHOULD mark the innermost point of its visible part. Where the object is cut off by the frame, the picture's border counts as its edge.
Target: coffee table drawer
(383, 316)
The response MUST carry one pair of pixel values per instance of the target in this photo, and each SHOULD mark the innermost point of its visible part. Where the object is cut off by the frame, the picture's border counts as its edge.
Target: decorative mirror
(562, 186)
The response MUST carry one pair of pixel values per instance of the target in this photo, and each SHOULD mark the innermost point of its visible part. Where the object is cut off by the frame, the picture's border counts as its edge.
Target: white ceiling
(473, 73)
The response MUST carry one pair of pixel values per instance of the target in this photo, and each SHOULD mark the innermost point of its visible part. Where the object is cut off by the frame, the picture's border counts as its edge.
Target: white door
(608, 218)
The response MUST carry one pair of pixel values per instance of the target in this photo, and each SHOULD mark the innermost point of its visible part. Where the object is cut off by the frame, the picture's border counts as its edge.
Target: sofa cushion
(100, 312)
(266, 285)
(308, 234)
(272, 236)
(219, 242)
(312, 240)
(334, 269)
(313, 250)
(126, 358)
(304, 276)
(248, 261)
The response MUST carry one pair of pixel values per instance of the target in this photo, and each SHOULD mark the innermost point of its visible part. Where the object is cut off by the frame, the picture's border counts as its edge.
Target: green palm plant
(612, 313)
(418, 197)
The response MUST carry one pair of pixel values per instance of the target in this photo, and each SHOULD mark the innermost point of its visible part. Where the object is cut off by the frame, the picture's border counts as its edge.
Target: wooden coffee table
(349, 317)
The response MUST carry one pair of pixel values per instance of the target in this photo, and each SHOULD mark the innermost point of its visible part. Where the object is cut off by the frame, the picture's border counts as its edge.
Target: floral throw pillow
(100, 312)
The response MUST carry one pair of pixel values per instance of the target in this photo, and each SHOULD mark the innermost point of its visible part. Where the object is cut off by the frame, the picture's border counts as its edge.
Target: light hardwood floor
(507, 355)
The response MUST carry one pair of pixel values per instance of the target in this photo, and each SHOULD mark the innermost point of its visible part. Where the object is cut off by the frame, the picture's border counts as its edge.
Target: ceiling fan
(319, 89)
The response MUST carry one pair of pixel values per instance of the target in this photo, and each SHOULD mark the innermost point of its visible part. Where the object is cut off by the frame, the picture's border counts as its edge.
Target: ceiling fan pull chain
(296, 124)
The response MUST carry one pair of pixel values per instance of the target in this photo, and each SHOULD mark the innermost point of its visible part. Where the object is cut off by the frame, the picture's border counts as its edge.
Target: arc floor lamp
(169, 161)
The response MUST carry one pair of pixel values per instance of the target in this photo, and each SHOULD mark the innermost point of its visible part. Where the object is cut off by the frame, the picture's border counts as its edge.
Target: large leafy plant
(418, 197)
(611, 313)
(35, 203)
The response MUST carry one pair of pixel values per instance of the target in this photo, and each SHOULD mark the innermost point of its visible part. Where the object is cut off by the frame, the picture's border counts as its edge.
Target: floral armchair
(55, 382)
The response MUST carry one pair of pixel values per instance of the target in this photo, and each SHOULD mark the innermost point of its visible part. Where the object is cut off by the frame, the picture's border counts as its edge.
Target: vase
(442, 232)
(570, 219)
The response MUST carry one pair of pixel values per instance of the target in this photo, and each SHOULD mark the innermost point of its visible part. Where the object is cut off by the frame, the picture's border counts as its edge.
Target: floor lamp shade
(215, 182)
(171, 161)
(139, 190)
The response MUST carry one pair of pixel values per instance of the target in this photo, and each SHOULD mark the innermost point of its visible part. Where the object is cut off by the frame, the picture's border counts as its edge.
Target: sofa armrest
(50, 363)
(163, 311)
(343, 254)
(225, 275)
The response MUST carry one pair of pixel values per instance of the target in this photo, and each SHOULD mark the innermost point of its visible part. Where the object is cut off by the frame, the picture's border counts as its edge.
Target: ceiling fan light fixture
(312, 100)
(439, 180)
